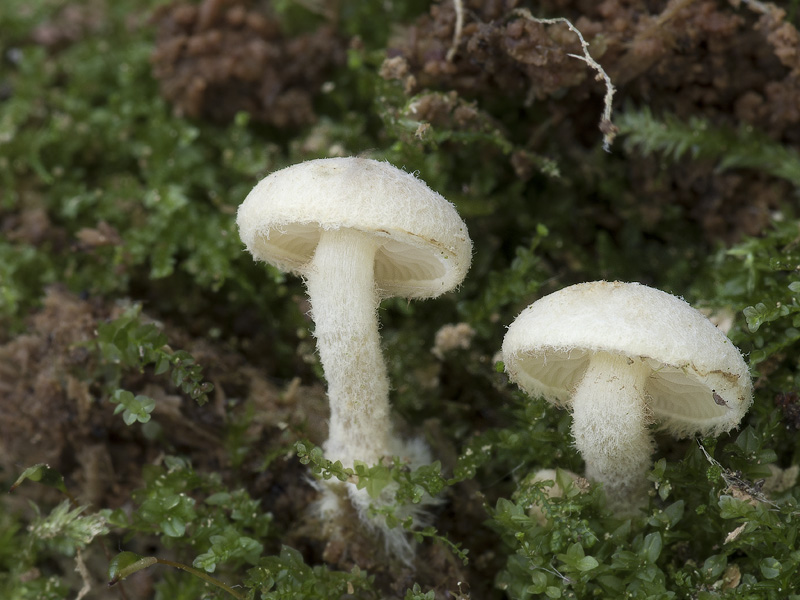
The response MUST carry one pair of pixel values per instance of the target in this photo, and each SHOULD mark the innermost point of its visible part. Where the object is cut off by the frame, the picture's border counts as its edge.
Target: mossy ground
(166, 379)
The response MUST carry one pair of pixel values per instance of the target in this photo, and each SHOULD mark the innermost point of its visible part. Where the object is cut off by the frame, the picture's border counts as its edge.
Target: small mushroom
(624, 356)
(357, 231)
(553, 490)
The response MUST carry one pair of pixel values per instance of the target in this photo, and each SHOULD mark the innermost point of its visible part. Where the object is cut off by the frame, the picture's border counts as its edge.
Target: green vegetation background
(137, 205)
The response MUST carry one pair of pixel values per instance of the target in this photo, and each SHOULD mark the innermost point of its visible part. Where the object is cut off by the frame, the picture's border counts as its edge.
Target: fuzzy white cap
(424, 251)
(698, 384)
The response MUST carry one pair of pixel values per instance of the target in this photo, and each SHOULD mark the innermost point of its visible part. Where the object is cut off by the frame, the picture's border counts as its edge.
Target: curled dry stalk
(127, 563)
(760, 7)
(459, 8)
(606, 124)
(734, 482)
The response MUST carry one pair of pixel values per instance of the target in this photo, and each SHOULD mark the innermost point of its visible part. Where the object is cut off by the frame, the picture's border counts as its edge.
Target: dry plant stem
(610, 428)
(761, 7)
(80, 568)
(204, 576)
(459, 8)
(606, 125)
(735, 482)
(344, 304)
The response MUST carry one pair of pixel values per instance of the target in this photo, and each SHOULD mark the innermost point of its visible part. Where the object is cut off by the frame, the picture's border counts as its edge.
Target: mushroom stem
(344, 303)
(610, 427)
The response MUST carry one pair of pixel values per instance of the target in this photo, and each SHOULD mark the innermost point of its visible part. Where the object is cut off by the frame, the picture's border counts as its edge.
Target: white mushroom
(623, 356)
(358, 231)
(554, 490)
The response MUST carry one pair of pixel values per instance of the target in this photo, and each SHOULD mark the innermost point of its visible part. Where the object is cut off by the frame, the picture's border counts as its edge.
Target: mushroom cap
(698, 384)
(424, 248)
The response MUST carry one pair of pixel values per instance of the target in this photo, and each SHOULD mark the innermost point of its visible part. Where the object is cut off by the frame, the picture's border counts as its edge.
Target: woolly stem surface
(610, 427)
(344, 302)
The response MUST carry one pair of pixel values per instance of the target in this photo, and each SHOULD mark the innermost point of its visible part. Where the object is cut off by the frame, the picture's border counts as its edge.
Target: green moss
(87, 141)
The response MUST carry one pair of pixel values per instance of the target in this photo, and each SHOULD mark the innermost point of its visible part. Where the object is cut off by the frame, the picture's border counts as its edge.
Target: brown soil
(221, 57)
(729, 63)
(722, 61)
(56, 411)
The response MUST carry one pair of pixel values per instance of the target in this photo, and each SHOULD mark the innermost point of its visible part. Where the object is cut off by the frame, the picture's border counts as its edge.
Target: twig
(80, 567)
(761, 7)
(735, 482)
(606, 125)
(459, 8)
(198, 573)
(553, 571)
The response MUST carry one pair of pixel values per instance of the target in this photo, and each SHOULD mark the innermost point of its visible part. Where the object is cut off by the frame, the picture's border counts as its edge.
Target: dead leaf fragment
(735, 533)
(731, 577)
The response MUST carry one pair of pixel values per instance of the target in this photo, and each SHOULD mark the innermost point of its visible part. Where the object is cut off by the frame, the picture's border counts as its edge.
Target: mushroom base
(338, 501)
(610, 421)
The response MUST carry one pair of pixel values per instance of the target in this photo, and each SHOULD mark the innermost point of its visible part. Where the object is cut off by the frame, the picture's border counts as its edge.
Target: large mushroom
(357, 231)
(624, 356)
